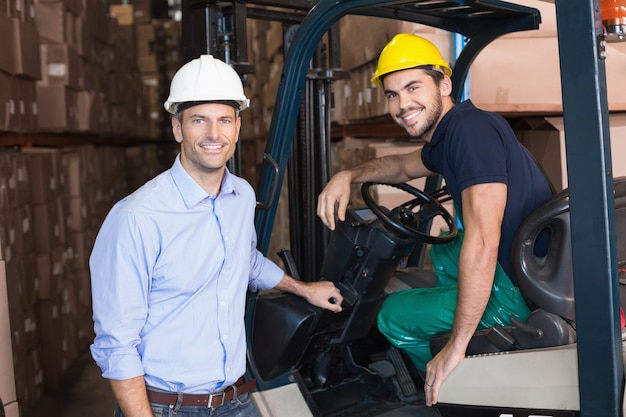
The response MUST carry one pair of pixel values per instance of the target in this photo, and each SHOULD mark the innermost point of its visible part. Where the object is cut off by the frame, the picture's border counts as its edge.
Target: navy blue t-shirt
(471, 146)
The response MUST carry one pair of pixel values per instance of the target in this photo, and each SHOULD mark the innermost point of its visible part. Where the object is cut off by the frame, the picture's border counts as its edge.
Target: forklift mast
(219, 28)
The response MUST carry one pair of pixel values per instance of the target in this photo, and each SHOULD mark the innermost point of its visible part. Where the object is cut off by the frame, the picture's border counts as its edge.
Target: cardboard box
(14, 8)
(12, 410)
(46, 286)
(77, 219)
(23, 114)
(523, 75)
(21, 9)
(92, 112)
(545, 139)
(51, 20)
(373, 33)
(73, 166)
(124, 13)
(7, 378)
(15, 177)
(145, 37)
(43, 182)
(142, 11)
(26, 50)
(97, 19)
(60, 65)
(6, 43)
(7, 106)
(52, 336)
(73, 6)
(57, 108)
(82, 38)
(24, 229)
(47, 228)
(147, 64)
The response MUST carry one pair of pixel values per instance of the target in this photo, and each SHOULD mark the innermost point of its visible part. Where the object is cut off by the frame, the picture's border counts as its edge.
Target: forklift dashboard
(364, 215)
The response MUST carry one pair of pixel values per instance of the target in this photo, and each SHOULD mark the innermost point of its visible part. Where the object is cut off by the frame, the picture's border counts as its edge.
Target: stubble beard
(432, 117)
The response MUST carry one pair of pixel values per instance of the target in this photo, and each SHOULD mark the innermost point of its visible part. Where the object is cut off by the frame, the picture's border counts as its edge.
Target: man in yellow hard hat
(494, 183)
(172, 262)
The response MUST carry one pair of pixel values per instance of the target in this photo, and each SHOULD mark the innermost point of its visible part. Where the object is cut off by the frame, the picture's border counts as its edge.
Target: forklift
(567, 360)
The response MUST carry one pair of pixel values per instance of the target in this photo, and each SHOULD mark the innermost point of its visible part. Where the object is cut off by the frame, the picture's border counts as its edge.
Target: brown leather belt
(216, 399)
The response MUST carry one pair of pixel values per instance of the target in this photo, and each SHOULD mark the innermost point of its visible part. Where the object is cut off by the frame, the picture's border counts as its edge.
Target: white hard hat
(206, 79)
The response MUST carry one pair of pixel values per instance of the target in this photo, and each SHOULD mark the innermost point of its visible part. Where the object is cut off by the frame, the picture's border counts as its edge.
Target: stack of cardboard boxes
(19, 64)
(53, 202)
(70, 68)
(8, 396)
(79, 66)
(266, 53)
(518, 73)
(156, 51)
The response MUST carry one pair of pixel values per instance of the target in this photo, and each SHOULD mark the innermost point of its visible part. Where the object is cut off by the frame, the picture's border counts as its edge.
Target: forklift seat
(543, 270)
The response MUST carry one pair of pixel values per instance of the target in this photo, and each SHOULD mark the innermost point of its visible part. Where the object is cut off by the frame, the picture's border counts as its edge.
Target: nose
(212, 130)
(403, 100)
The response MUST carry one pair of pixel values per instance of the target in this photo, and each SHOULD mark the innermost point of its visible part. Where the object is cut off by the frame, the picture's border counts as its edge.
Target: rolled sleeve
(117, 366)
(264, 274)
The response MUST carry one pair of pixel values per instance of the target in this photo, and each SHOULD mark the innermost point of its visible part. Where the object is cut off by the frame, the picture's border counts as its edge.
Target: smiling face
(416, 101)
(208, 135)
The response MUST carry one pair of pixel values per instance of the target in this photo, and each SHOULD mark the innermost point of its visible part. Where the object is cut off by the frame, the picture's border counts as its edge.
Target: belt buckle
(222, 395)
(211, 396)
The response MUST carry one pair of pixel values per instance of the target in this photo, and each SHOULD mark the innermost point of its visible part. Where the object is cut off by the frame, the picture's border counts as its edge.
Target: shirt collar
(190, 191)
(440, 131)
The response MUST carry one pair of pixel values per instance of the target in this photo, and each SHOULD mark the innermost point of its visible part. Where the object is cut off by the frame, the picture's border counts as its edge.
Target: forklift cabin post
(589, 172)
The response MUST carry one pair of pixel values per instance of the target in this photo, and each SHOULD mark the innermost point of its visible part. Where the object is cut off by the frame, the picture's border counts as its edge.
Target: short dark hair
(187, 104)
(435, 74)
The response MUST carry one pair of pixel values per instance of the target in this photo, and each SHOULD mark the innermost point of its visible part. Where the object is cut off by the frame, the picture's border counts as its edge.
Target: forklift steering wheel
(405, 221)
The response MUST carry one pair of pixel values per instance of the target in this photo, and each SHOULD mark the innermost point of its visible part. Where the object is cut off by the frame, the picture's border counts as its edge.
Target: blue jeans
(242, 406)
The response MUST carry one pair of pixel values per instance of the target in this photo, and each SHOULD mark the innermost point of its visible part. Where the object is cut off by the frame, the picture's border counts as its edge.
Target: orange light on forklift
(614, 19)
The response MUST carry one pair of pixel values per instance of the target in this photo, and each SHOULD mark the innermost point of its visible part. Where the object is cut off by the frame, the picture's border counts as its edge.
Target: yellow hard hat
(406, 51)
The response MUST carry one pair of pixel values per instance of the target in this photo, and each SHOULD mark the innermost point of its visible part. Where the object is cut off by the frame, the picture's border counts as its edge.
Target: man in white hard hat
(172, 262)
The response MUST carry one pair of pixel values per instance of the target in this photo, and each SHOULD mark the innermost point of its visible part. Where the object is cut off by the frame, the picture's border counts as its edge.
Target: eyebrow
(407, 85)
(221, 117)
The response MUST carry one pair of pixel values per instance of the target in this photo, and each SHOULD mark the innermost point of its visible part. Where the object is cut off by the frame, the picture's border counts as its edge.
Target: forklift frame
(587, 142)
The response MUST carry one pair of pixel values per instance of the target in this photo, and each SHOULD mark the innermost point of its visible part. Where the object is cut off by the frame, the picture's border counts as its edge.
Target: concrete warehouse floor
(84, 393)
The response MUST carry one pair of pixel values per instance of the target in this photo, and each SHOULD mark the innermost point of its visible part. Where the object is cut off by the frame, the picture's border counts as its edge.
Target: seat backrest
(542, 252)
(542, 257)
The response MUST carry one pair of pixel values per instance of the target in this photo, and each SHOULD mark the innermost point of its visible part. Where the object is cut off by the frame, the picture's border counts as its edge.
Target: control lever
(290, 268)
(349, 296)
(531, 332)
(290, 263)
(500, 338)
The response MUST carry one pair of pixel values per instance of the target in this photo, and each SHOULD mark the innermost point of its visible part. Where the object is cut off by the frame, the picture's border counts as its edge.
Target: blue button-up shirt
(169, 269)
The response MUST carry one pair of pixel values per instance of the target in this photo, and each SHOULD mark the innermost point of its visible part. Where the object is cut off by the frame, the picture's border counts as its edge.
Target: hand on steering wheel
(407, 222)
